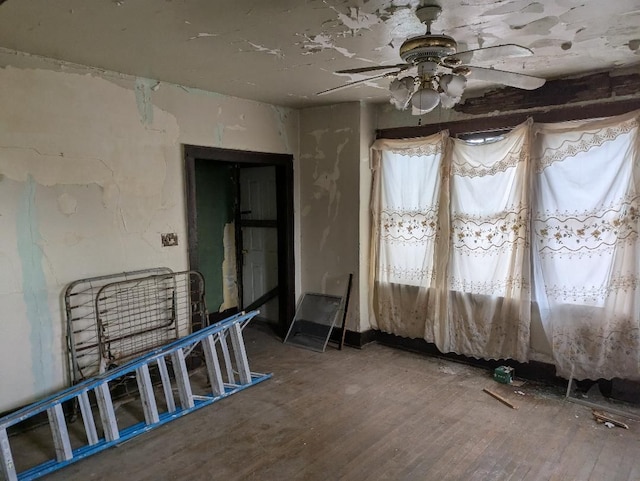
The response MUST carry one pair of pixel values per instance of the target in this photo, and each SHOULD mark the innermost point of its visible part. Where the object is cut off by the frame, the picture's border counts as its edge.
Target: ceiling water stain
(592, 33)
(203, 35)
(541, 26)
(547, 42)
(322, 42)
(533, 8)
(588, 16)
(271, 51)
(522, 6)
(357, 20)
(403, 23)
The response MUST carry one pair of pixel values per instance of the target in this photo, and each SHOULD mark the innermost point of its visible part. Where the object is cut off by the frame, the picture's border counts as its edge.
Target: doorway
(240, 231)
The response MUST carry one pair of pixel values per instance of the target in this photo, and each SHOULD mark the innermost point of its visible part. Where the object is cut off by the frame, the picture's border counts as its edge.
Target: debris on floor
(503, 374)
(500, 398)
(602, 417)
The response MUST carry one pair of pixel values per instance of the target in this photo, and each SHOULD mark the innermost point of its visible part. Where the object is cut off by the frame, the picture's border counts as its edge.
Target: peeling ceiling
(284, 51)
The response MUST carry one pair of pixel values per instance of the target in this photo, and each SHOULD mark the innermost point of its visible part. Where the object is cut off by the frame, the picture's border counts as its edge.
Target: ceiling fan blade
(486, 54)
(512, 79)
(401, 66)
(350, 84)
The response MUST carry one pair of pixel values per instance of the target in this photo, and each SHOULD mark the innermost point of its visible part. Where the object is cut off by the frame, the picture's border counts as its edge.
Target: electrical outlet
(170, 239)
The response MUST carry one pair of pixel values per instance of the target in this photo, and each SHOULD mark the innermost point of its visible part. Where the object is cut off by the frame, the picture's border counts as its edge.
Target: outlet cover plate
(169, 239)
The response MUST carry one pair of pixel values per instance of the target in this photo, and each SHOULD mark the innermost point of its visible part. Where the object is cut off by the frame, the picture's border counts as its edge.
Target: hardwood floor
(378, 413)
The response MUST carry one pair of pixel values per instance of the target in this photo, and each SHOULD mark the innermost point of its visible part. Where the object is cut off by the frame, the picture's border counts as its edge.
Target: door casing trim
(285, 223)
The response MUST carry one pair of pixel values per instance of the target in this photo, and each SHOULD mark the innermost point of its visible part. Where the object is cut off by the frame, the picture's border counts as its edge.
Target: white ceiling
(284, 51)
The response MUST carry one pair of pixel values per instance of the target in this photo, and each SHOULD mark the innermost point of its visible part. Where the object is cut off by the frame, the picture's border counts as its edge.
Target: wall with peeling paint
(330, 201)
(91, 173)
(368, 118)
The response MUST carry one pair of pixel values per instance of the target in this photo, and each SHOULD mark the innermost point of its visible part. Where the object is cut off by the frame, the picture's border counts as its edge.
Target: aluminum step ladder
(221, 362)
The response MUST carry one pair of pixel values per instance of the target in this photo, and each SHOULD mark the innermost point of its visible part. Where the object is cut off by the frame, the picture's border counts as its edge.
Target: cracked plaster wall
(368, 117)
(330, 201)
(91, 173)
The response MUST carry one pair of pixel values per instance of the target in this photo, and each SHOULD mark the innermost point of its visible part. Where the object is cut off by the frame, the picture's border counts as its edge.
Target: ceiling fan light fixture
(453, 85)
(447, 102)
(401, 90)
(425, 100)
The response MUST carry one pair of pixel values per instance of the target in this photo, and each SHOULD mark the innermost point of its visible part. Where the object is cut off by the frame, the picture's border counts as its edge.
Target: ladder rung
(242, 363)
(227, 359)
(60, 433)
(107, 413)
(182, 379)
(166, 384)
(8, 469)
(146, 395)
(87, 418)
(213, 366)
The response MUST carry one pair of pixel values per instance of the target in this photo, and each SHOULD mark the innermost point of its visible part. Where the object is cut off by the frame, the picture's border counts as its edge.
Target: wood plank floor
(377, 413)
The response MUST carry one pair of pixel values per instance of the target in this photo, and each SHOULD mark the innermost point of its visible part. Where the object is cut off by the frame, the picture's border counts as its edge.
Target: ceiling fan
(435, 73)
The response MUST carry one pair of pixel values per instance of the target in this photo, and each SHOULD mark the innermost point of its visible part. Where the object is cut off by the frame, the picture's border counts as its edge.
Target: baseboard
(353, 338)
(620, 389)
(532, 370)
(367, 337)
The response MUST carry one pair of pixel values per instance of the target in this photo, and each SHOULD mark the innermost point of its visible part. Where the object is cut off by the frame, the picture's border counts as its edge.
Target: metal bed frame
(138, 315)
(83, 347)
(112, 319)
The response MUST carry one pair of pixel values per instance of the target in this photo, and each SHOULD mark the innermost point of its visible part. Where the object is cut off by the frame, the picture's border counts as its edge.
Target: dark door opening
(240, 230)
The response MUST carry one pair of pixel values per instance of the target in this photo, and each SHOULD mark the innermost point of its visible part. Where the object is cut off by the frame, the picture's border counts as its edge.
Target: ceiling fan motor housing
(425, 47)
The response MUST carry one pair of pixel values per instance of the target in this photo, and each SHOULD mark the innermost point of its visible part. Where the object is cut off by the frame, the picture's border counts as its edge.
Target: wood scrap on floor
(500, 398)
(603, 417)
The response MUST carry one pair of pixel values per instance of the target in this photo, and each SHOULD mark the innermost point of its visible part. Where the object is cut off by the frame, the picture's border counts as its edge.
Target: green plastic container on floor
(503, 374)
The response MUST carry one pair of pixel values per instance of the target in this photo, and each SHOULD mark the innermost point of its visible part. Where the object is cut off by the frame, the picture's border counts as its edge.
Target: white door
(258, 215)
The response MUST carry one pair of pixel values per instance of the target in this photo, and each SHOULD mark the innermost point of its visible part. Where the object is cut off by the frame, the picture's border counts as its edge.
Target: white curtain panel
(406, 227)
(586, 247)
(488, 269)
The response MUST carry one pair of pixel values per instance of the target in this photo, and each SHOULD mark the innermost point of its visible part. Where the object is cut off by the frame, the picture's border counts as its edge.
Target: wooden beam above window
(560, 92)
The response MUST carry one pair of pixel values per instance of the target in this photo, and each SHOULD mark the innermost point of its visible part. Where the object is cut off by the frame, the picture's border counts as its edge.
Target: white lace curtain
(586, 248)
(488, 268)
(407, 230)
(468, 240)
